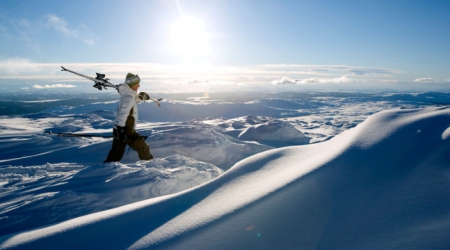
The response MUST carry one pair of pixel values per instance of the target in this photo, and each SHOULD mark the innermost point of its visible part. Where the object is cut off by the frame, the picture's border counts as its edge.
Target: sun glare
(189, 39)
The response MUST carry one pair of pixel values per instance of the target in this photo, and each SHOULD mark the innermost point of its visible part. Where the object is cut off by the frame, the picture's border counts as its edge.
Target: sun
(189, 39)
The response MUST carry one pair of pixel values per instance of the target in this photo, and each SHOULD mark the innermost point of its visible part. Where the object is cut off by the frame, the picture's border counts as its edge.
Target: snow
(274, 131)
(92, 188)
(446, 134)
(351, 178)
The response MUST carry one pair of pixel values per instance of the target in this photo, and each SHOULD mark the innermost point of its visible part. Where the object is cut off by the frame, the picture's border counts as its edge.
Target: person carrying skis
(125, 124)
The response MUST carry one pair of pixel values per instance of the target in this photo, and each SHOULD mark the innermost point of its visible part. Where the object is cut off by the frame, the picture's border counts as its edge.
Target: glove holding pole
(143, 96)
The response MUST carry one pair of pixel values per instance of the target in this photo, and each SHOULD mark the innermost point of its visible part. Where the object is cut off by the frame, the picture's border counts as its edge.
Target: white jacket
(128, 101)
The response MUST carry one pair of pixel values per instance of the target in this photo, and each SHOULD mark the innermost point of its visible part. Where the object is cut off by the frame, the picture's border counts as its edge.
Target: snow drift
(274, 132)
(203, 143)
(381, 185)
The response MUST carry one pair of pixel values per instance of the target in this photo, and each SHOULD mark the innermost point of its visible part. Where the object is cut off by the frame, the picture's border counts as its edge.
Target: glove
(119, 133)
(143, 96)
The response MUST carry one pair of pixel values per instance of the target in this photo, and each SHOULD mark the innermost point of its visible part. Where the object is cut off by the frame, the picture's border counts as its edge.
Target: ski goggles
(133, 81)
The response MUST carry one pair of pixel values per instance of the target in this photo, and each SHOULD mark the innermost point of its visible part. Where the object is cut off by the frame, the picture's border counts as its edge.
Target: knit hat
(132, 79)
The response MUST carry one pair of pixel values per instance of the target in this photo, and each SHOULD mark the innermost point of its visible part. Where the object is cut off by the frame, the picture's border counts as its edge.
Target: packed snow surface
(384, 184)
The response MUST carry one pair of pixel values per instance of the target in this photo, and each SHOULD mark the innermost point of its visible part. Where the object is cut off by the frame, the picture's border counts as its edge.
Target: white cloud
(198, 82)
(18, 66)
(425, 79)
(83, 33)
(342, 79)
(53, 86)
(336, 70)
(60, 25)
(286, 80)
(308, 80)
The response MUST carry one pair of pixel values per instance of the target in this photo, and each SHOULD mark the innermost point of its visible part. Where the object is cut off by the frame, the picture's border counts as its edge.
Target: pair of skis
(77, 135)
(102, 82)
(88, 135)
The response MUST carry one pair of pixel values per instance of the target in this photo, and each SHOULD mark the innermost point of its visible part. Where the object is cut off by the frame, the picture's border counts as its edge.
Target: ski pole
(157, 101)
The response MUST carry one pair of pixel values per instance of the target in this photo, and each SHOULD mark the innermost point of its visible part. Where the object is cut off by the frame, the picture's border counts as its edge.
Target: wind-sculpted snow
(63, 193)
(381, 185)
(202, 143)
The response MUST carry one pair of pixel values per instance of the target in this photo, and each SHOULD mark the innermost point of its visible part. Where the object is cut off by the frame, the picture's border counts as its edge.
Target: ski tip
(63, 69)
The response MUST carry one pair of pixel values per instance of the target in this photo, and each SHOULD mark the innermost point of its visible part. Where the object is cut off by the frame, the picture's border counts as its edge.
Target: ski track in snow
(51, 179)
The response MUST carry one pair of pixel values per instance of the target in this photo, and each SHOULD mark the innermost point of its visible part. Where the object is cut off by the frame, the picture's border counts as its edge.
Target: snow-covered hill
(381, 185)
(274, 132)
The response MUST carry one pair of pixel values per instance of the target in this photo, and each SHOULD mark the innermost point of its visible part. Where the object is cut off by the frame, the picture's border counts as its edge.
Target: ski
(88, 135)
(157, 101)
(102, 82)
(77, 135)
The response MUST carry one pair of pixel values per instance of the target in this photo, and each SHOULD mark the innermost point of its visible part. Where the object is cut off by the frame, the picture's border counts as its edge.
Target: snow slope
(381, 185)
(40, 195)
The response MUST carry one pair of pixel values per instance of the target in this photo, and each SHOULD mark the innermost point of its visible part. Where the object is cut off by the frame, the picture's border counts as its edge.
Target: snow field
(348, 186)
(372, 187)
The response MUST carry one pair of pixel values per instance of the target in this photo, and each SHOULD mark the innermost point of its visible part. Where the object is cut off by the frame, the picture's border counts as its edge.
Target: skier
(126, 119)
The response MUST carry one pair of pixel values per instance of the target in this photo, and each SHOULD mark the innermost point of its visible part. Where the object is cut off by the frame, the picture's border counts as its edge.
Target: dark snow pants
(135, 141)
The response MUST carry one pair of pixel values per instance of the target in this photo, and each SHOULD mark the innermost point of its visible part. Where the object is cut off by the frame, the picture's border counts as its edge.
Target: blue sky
(321, 44)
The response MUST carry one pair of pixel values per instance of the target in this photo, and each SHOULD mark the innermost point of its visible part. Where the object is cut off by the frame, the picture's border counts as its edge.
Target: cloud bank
(286, 80)
(425, 79)
(199, 77)
(53, 86)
